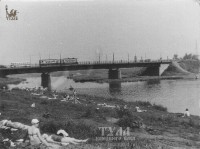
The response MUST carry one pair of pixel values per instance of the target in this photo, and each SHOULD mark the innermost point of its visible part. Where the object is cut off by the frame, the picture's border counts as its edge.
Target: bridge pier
(46, 80)
(114, 74)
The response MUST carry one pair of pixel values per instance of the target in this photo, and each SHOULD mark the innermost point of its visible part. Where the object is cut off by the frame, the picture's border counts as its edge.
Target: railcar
(49, 62)
(69, 61)
(20, 64)
(57, 62)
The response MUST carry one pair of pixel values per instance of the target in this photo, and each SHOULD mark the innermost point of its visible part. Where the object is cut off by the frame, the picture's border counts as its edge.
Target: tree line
(189, 56)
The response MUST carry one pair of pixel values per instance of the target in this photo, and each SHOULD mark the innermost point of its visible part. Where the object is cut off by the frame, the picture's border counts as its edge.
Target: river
(176, 95)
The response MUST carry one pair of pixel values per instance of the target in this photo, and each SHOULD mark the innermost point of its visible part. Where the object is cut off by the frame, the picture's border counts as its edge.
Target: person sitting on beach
(35, 137)
(62, 140)
(66, 98)
(139, 110)
(186, 113)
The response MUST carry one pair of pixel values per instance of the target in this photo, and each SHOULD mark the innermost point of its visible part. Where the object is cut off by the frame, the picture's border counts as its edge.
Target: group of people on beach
(36, 139)
(45, 141)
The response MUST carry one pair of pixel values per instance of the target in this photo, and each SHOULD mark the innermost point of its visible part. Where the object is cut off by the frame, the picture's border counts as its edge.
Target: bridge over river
(154, 68)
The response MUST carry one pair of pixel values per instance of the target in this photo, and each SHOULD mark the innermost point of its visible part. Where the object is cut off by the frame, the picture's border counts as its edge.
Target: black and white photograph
(99, 74)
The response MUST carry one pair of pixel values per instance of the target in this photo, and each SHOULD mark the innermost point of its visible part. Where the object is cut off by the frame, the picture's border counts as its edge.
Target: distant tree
(190, 56)
(196, 57)
(175, 57)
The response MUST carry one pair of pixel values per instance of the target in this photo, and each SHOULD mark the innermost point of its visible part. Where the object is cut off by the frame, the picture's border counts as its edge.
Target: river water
(176, 95)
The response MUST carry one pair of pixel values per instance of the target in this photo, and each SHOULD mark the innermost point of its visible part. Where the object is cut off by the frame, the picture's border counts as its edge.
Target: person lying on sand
(62, 140)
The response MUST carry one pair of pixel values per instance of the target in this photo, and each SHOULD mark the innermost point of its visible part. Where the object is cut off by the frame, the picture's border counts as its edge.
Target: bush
(77, 130)
(44, 102)
(51, 127)
(123, 112)
(90, 112)
(81, 130)
(125, 122)
(160, 108)
(143, 103)
(3, 106)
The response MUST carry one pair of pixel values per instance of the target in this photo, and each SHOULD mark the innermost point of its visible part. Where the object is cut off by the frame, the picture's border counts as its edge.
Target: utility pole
(60, 58)
(113, 57)
(30, 59)
(99, 57)
(128, 57)
(39, 56)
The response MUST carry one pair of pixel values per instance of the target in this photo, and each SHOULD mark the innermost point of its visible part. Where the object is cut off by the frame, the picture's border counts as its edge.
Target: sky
(87, 29)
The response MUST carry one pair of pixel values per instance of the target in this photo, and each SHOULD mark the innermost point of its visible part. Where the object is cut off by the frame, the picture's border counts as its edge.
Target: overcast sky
(87, 28)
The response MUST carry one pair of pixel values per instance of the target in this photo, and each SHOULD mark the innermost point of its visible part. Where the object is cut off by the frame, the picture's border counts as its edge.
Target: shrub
(143, 103)
(125, 122)
(160, 108)
(90, 111)
(123, 112)
(3, 106)
(77, 130)
(51, 127)
(44, 102)
(81, 130)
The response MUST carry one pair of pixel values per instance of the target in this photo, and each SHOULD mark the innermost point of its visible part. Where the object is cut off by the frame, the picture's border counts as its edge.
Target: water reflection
(153, 81)
(115, 87)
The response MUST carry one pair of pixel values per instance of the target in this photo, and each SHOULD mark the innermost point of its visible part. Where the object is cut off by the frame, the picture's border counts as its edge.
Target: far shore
(141, 78)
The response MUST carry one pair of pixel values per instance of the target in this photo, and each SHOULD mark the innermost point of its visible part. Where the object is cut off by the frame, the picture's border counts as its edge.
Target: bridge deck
(81, 66)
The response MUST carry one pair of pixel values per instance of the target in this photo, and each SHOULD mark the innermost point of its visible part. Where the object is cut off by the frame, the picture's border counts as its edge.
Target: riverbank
(173, 72)
(136, 79)
(155, 128)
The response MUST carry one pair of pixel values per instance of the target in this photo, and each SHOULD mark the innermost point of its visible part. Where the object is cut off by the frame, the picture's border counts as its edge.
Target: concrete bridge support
(114, 74)
(46, 80)
(152, 71)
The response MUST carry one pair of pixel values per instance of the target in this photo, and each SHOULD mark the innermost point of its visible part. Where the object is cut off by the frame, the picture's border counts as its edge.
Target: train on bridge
(58, 62)
(46, 62)
(20, 64)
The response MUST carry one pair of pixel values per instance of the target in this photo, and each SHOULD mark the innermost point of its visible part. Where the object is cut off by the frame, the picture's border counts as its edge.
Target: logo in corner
(12, 15)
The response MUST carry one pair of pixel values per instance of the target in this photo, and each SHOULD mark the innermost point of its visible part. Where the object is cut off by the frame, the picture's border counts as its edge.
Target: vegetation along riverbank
(153, 128)
(182, 69)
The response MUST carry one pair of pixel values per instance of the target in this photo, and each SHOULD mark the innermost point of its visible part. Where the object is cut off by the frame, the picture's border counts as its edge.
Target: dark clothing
(56, 138)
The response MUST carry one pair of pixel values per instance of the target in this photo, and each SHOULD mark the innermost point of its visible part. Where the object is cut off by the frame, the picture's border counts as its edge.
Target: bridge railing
(120, 61)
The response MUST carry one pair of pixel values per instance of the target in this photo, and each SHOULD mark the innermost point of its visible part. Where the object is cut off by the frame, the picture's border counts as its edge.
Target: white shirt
(187, 113)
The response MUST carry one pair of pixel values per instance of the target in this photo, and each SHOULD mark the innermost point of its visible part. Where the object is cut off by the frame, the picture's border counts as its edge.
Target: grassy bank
(155, 128)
